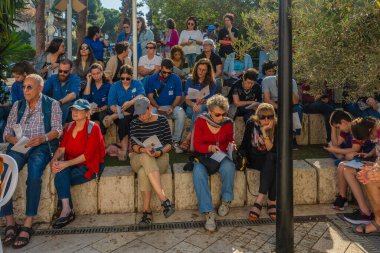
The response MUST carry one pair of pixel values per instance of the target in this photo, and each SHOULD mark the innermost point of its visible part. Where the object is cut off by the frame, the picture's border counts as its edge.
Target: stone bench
(313, 130)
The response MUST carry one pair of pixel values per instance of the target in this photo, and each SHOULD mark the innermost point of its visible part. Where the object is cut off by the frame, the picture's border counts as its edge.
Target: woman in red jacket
(213, 132)
(79, 158)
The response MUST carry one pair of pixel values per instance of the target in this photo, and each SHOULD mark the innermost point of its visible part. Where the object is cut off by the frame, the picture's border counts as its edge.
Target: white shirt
(149, 63)
(192, 35)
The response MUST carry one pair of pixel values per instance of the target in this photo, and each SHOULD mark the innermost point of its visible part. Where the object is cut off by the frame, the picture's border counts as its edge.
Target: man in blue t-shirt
(164, 91)
(63, 87)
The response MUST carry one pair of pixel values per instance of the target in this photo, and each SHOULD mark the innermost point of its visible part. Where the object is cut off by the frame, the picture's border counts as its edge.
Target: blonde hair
(219, 101)
(265, 107)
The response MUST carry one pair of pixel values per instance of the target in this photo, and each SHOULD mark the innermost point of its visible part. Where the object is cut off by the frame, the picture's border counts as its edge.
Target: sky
(115, 4)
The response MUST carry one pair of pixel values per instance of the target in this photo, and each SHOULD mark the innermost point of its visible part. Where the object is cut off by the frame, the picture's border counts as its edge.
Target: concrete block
(240, 191)
(186, 128)
(327, 179)
(317, 128)
(253, 179)
(303, 138)
(48, 195)
(111, 135)
(85, 198)
(304, 183)
(155, 203)
(117, 190)
(3, 147)
(185, 196)
(239, 127)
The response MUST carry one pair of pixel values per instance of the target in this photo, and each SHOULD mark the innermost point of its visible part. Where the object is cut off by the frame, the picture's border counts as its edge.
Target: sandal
(364, 226)
(9, 239)
(272, 215)
(146, 219)
(253, 215)
(24, 240)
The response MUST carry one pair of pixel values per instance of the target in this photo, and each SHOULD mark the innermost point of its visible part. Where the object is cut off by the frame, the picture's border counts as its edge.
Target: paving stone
(117, 190)
(221, 246)
(354, 248)
(85, 198)
(267, 230)
(155, 203)
(184, 247)
(87, 249)
(98, 220)
(205, 239)
(185, 196)
(327, 179)
(240, 192)
(332, 241)
(114, 241)
(137, 246)
(167, 240)
(301, 249)
(317, 134)
(239, 127)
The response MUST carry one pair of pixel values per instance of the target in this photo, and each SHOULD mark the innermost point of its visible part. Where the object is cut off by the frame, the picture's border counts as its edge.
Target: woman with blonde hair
(259, 149)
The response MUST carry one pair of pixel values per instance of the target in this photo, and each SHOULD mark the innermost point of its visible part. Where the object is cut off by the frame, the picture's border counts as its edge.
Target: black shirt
(224, 35)
(254, 94)
(214, 58)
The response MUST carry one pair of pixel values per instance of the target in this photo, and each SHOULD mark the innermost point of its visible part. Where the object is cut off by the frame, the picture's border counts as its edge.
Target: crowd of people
(60, 109)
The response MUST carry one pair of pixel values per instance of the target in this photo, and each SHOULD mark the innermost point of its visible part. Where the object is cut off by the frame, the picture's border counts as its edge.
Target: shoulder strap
(20, 110)
(70, 125)
(46, 109)
(89, 127)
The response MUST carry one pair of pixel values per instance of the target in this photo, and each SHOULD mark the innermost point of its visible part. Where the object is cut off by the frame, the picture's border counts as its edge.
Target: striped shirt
(143, 131)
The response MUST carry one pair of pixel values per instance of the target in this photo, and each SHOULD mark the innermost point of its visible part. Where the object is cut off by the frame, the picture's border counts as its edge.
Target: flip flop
(364, 233)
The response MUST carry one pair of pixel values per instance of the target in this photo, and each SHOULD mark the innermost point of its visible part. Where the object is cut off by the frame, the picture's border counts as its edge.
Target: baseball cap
(211, 28)
(81, 104)
(141, 105)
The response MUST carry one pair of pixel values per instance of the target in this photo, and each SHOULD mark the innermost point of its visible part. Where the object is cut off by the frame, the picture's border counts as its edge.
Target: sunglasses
(28, 87)
(125, 78)
(83, 48)
(64, 71)
(261, 117)
(190, 24)
(150, 48)
(220, 114)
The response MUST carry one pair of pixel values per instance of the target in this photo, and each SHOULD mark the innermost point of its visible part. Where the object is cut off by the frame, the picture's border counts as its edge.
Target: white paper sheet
(205, 92)
(119, 113)
(18, 131)
(193, 93)
(218, 156)
(20, 146)
(252, 105)
(354, 164)
(151, 142)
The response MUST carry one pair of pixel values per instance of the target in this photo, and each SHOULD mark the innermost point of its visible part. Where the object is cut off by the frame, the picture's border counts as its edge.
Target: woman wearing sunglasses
(213, 132)
(144, 35)
(47, 63)
(121, 99)
(191, 40)
(81, 65)
(258, 147)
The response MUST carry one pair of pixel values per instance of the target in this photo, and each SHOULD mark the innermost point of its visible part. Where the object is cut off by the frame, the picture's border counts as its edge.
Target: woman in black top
(259, 149)
(149, 161)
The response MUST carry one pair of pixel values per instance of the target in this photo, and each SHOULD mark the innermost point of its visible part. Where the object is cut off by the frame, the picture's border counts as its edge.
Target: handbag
(211, 165)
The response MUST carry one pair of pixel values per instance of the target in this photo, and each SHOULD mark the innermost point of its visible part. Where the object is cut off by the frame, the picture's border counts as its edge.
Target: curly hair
(218, 101)
(210, 75)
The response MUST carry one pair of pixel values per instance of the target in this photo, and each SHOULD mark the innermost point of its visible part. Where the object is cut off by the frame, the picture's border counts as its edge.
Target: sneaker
(224, 208)
(358, 217)
(168, 209)
(210, 224)
(177, 148)
(340, 203)
(146, 219)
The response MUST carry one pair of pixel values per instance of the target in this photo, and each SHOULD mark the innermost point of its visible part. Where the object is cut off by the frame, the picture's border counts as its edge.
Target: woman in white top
(191, 40)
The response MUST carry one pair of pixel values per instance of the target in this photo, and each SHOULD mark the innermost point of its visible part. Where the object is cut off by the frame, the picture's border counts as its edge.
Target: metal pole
(69, 17)
(134, 37)
(284, 224)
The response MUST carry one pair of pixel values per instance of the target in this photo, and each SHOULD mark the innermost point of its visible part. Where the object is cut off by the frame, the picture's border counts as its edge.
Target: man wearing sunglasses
(39, 119)
(63, 87)
(165, 95)
(149, 63)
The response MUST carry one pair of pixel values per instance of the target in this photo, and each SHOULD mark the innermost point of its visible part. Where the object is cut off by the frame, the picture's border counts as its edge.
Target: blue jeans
(202, 189)
(193, 115)
(73, 175)
(37, 159)
(354, 109)
(191, 59)
(179, 117)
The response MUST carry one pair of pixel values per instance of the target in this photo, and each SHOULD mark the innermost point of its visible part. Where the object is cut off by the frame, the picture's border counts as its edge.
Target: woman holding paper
(200, 87)
(191, 40)
(79, 158)
(150, 141)
(258, 147)
(96, 92)
(213, 134)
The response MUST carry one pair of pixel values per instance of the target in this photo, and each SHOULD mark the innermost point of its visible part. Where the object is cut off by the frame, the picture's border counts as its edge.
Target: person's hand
(150, 152)
(234, 147)
(265, 128)
(213, 148)
(363, 155)
(44, 69)
(169, 111)
(196, 108)
(374, 175)
(160, 111)
(329, 148)
(89, 78)
(36, 141)
(372, 103)
(157, 153)
(126, 105)
(58, 166)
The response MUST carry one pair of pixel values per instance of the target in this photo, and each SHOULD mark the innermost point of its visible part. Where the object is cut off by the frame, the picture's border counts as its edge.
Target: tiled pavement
(314, 237)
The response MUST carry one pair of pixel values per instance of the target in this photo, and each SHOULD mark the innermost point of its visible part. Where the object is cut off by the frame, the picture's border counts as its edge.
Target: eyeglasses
(125, 78)
(150, 48)
(84, 48)
(261, 117)
(166, 72)
(28, 87)
(220, 114)
(190, 23)
(64, 71)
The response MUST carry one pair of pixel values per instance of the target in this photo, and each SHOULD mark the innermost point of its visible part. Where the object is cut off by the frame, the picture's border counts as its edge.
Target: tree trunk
(40, 27)
(82, 23)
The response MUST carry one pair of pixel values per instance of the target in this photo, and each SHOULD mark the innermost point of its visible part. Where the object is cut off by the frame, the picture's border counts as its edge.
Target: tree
(40, 27)
(111, 25)
(82, 23)
(335, 43)
(95, 13)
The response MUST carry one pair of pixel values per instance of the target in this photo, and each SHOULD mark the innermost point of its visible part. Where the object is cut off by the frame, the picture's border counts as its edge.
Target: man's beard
(62, 78)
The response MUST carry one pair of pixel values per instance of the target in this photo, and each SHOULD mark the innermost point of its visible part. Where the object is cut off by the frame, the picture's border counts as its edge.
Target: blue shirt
(118, 95)
(56, 90)
(17, 91)
(123, 37)
(97, 47)
(198, 86)
(98, 96)
(172, 88)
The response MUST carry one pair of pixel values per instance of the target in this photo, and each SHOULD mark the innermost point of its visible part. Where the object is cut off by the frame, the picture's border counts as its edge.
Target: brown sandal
(272, 215)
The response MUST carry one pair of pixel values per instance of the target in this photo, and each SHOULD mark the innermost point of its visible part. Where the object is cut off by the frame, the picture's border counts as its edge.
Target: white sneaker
(177, 149)
(224, 208)
(210, 224)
